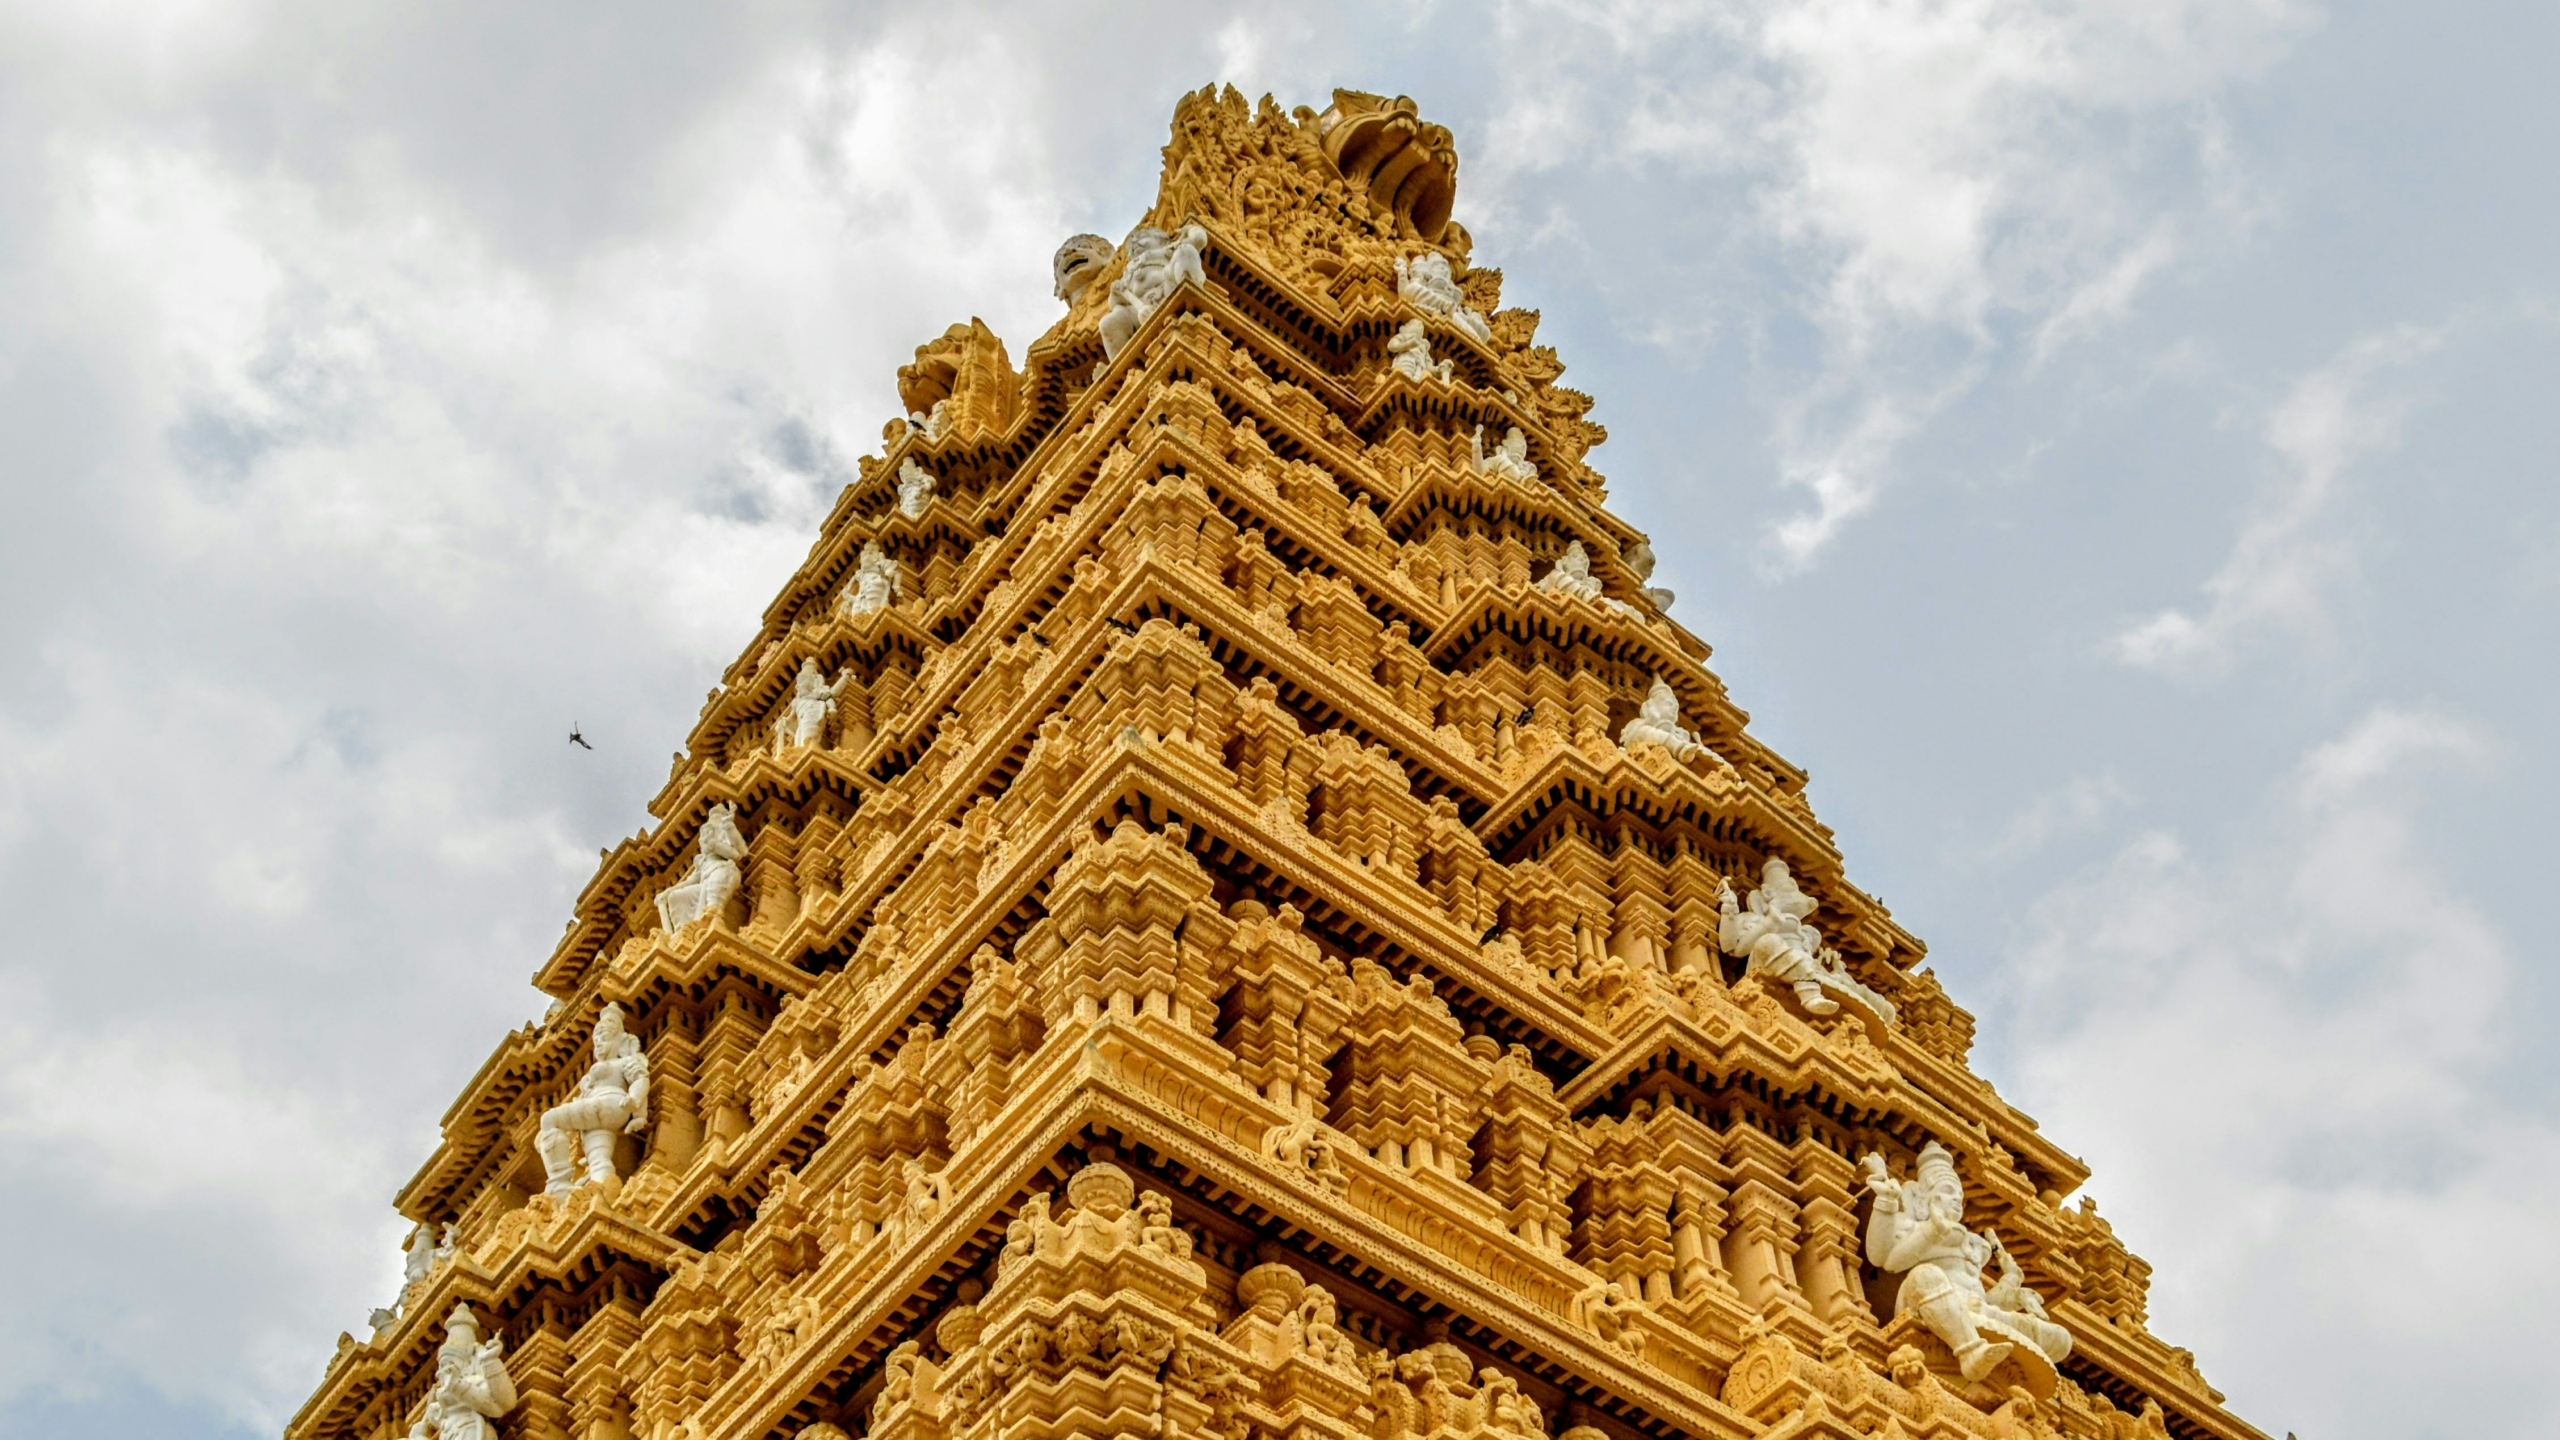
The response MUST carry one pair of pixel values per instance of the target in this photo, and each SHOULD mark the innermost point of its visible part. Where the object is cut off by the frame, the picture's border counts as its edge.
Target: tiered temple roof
(1247, 936)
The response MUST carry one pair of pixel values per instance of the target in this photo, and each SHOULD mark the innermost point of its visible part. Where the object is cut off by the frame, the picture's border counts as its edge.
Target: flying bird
(577, 739)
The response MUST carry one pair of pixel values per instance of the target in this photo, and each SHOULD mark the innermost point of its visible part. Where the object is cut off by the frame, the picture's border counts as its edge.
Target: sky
(2109, 443)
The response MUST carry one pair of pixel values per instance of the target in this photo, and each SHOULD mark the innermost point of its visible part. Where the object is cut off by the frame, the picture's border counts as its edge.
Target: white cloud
(2285, 563)
(2292, 1067)
(2081, 802)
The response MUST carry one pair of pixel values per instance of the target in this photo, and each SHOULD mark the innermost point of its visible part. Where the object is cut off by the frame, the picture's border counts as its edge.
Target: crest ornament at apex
(1216, 902)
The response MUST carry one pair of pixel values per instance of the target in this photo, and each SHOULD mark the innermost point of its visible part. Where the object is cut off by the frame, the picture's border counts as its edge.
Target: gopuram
(1218, 903)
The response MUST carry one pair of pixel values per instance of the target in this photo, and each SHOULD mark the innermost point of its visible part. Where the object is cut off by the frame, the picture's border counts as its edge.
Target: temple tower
(1218, 902)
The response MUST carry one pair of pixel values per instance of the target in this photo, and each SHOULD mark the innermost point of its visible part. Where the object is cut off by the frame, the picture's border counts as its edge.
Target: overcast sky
(2109, 443)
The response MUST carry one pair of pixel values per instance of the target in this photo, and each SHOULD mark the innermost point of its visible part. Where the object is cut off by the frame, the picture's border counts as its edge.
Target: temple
(1218, 902)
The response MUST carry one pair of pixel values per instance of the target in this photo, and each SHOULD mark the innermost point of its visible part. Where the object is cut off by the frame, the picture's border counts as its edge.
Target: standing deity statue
(1918, 1233)
(1772, 935)
(612, 1100)
(1506, 461)
(915, 488)
(875, 583)
(714, 876)
(1157, 262)
(1078, 264)
(1426, 285)
(1572, 575)
(1659, 721)
(1411, 347)
(471, 1387)
(813, 700)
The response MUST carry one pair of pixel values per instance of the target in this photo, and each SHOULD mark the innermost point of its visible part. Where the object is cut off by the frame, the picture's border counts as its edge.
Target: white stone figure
(928, 423)
(714, 876)
(812, 701)
(915, 488)
(1639, 558)
(1157, 263)
(1659, 721)
(1772, 935)
(1571, 575)
(1506, 461)
(1411, 346)
(875, 583)
(1918, 1233)
(472, 1386)
(612, 1099)
(1077, 263)
(1427, 286)
(421, 1256)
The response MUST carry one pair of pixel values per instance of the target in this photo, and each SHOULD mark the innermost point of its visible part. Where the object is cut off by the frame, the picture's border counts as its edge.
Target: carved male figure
(1510, 461)
(915, 488)
(714, 876)
(1426, 284)
(472, 1387)
(1157, 262)
(1658, 720)
(1773, 937)
(1572, 574)
(1918, 1232)
(812, 701)
(875, 582)
(612, 1099)
(1411, 347)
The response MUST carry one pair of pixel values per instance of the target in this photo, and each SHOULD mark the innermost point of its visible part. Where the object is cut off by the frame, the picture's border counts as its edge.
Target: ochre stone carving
(1269, 933)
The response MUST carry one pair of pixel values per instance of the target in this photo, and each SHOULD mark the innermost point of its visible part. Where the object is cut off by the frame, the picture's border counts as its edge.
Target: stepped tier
(1219, 902)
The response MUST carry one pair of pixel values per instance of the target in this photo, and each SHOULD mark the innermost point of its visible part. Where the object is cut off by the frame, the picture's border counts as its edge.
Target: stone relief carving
(1918, 1233)
(813, 702)
(1772, 935)
(1572, 574)
(1157, 263)
(1425, 283)
(1506, 461)
(612, 1100)
(874, 587)
(472, 1386)
(714, 876)
(1640, 563)
(915, 488)
(928, 423)
(1659, 722)
(1077, 264)
(1411, 347)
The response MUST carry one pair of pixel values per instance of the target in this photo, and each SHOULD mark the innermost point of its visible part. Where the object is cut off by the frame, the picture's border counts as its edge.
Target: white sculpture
(422, 1254)
(472, 1386)
(1639, 558)
(612, 1099)
(1572, 574)
(928, 423)
(1077, 263)
(812, 701)
(1157, 263)
(1427, 286)
(1772, 936)
(714, 876)
(1507, 461)
(1411, 347)
(1658, 720)
(1918, 1232)
(915, 488)
(875, 583)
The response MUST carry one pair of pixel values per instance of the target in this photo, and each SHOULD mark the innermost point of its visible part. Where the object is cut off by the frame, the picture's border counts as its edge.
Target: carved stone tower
(1218, 903)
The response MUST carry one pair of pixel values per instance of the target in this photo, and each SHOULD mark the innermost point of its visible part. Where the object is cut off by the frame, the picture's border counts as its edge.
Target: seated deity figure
(1772, 935)
(714, 876)
(1918, 1233)
(1426, 285)
(1506, 461)
(471, 1387)
(915, 488)
(875, 583)
(1157, 263)
(1572, 575)
(1659, 721)
(1411, 347)
(612, 1099)
(1077, 264)
(813, 700)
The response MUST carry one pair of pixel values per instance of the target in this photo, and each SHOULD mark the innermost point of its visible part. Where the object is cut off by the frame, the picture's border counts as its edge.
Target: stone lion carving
(1157, 263)
(1077, 264)
(612, 1100)
(1918, 1233)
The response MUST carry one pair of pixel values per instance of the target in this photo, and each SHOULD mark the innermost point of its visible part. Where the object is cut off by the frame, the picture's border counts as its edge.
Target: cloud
(2285, 563)
(2078, 805)
(2292, 1065)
